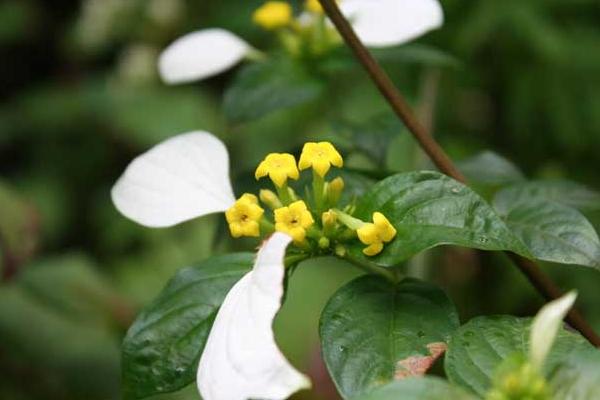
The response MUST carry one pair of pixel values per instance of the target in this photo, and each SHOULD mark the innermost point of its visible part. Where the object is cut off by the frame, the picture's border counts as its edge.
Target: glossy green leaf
(578, 376)
(554, 232)
(429, 209)
(477, 348)
(491, 169)
(162, 348)
(264, 87)
(565, 192)
(373, 332)
(421, 388)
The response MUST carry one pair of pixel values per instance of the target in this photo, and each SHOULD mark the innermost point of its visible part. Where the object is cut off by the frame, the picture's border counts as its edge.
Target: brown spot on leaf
(418, 365)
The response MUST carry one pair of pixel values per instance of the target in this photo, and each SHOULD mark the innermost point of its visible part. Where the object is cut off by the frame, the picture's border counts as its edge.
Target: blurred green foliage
(81, 97)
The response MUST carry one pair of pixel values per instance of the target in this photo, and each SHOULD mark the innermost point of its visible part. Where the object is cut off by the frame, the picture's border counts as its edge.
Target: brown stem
(532, 271)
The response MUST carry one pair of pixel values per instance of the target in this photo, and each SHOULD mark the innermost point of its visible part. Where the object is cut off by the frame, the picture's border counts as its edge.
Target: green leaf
(429, 209)
(163, 346)
(491, 169)
(264, 87)
(477, 348)
(373, 137)
(373, 332)
(421, 388)
(565, 192)
(578, 376)
(554, 232)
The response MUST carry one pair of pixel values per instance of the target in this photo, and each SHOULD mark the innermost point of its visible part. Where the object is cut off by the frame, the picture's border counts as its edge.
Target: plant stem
(318, 185)
(438, 156)
(372, 268)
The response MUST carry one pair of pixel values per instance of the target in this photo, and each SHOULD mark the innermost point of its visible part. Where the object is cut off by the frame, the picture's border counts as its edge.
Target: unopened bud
(324, 242)
(334, 191)
(328, 219)
(270, 199)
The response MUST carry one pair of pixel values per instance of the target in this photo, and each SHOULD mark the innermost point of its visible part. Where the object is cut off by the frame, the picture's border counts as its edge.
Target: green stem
(318, 185)
(348, 220)
(284, 194)
(266, 226)
(373, 268)
(294, 259)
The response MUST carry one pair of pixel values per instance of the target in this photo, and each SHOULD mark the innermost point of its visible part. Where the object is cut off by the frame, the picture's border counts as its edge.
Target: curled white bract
(545, 327)
(241, 359)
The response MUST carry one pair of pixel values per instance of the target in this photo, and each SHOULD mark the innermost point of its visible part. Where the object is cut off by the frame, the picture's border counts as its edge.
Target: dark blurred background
(80, 97)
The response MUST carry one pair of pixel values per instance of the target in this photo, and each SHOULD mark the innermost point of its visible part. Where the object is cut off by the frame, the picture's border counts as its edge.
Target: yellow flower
(273, 15)
(243, 217)
(376, 234)
(279, 167)
(294, 220)
(313, 6)
(320, 156)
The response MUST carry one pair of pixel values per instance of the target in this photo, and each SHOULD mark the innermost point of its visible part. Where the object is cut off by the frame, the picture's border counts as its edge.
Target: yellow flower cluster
(292, 215)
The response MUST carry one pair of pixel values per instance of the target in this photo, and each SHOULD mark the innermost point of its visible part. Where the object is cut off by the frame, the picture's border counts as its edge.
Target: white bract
(182, 178)
(241, 359)
(378, 23)
(201, 54)
(545, 327)
(186, 177)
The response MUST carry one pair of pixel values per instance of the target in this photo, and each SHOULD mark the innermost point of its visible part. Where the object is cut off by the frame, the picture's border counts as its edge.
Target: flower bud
(334, 191)
(270, 199)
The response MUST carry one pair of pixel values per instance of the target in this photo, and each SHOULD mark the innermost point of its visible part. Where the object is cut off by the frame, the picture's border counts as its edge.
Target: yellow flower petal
(386, 231)
(294, 220)
(320, 156)
(243, 216)
(373, 249)
(313, 6)
(376, 234)
(279, 167)
(367, 234)
(273, 15)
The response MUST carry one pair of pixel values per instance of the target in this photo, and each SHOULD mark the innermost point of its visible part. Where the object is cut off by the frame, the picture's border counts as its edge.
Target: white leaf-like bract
(384, 23)
(201, 54)
(241, 359)
(182, 178)
(545, 327)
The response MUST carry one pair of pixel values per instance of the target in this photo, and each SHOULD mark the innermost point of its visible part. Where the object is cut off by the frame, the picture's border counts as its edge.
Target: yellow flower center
(279, 167)
(320, 156)
(273, 15)
(294, 220)
(376, 234)
(244, 216)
